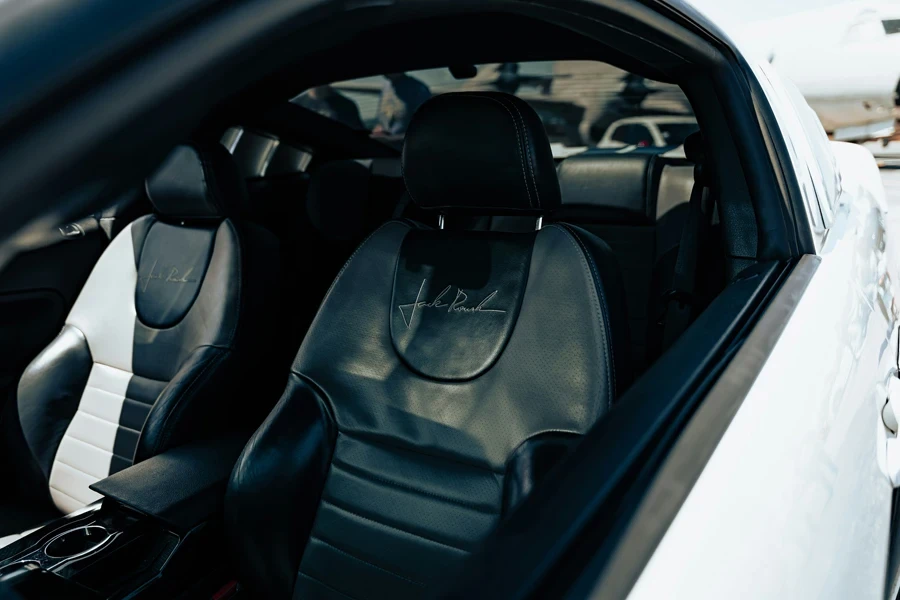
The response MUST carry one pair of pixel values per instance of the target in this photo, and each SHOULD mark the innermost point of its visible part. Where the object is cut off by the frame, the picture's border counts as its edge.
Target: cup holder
(77, 541)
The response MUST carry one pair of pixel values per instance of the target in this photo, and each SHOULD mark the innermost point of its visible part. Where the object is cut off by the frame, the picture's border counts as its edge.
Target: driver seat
(445, 373)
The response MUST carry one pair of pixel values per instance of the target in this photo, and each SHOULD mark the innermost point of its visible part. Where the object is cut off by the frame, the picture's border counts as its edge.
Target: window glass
(633, 134)
(674, 134)
(891, 26)
(576, 100)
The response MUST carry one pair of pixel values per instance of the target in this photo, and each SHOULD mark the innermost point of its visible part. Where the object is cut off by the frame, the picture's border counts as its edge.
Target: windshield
(576, 100)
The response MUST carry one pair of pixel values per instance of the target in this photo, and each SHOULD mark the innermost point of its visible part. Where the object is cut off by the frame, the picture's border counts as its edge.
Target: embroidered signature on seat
(172, 277)
(457, 306)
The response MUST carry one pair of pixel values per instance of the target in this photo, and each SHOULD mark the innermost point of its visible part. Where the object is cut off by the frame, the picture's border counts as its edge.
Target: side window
(633, 134)
(808, 147)
(823, 168)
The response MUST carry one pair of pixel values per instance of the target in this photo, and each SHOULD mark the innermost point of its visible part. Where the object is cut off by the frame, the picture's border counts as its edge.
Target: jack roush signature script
(458, 305)
(173, 276)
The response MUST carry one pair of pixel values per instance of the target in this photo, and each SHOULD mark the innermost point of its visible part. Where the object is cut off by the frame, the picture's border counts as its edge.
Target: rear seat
(321, 218)
(638, 204)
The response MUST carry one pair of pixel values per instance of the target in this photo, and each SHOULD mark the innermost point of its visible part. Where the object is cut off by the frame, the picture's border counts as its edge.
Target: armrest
(182, 487)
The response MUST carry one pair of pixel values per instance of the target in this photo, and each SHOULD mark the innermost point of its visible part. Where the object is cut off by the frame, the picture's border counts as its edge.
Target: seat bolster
(275, 489)
(530, 463)
(49, 392)
(611, 289)
(186, 408)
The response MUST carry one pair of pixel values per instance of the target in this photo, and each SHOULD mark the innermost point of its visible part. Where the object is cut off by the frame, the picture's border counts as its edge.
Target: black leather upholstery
(609, 188)
(457, 297)
(636, 203)
(163, 344)
(337, 200)
(414, 416)
(481, 152)
(64, 366)
(198, 181)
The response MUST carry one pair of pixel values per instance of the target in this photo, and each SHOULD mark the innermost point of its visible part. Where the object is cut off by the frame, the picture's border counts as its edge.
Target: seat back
(444, 375)
(155, 349)
(637, 203)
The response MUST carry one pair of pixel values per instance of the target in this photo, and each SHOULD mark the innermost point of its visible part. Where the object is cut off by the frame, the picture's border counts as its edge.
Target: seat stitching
(179, 403)
(601, 295)
(355, 252)
(71, 497)
(74, 468)
(325, 585)
(528, 153)
(602, 309)
(394, 527)
(412, 450)
(240, 279)
(365, 562)
(360, 473)
(519, 144)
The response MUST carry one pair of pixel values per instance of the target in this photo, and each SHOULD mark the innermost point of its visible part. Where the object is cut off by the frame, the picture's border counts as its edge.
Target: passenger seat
(165, 343)
(444, 375)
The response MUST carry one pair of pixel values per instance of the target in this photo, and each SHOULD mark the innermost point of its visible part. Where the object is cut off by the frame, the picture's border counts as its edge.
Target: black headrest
(337, 198)
(694, 148)
(481, 153)
(615, 187)
(695, 151)
(198, 181)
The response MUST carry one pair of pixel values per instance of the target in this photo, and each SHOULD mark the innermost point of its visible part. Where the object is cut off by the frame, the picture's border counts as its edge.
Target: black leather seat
(445, 373)
(614, 197)
(638, 203)
(160, 345)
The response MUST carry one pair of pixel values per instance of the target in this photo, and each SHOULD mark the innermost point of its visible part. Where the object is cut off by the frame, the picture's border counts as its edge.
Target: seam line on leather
(528, 153)
(372, 440)
(365, 475)
(601, 307)
(325, 585)
(394, 527)
(519, 144)
(364, 561)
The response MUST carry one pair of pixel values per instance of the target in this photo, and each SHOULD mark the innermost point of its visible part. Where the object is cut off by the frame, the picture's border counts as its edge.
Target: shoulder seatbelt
(680, 301)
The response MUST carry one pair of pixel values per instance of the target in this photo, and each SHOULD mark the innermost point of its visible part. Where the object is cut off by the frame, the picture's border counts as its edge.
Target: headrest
(694, 148)
(480, 153)
(617, 188)
(336, 199)
(695, 151)
(198, 181)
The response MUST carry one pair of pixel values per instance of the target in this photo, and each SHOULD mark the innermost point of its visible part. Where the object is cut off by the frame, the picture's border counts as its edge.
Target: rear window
(576, 100)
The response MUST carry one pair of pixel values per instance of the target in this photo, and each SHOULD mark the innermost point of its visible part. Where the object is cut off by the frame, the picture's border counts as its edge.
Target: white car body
(796, 498)
(650, 122)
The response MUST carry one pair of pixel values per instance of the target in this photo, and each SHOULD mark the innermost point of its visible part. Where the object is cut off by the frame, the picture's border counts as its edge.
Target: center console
(156, 533)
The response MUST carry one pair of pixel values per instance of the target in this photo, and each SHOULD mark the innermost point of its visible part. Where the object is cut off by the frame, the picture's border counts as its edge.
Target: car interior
(365, 330)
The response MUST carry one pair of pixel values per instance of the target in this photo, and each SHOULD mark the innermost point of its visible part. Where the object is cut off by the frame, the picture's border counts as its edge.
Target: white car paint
(651, 122)
(795, 501)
